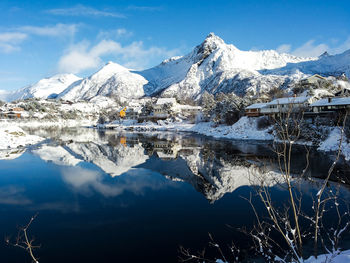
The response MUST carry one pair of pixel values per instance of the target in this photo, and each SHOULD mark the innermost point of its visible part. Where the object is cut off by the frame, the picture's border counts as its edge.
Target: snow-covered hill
(45, 88)
(216, 67)
(325, 64)
(113, 80)
(212, 66)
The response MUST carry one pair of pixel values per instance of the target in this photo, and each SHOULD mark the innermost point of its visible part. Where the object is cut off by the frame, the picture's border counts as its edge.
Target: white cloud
(77, 59)
(115, 34)
(81, 10)
(313, 49)
(52, 31)
(285, 48)
(144, 8)
(310, 49)
(82, 56)
(4, 94)
(12, 37)
(10, 41)
(135, 181)
(342, 47)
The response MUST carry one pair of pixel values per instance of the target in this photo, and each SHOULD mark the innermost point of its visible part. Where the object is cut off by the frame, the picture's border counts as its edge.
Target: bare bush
(24, 241)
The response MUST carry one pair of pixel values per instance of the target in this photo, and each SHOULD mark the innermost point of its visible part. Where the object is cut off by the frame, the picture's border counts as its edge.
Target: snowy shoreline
(13, 141)
(56, 123)
(244, 129)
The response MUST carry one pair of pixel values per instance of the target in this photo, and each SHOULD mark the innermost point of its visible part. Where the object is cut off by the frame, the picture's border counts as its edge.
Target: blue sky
(42, 38)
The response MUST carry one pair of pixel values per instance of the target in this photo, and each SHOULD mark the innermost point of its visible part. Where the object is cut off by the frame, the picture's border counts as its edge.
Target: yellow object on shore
(122, 113)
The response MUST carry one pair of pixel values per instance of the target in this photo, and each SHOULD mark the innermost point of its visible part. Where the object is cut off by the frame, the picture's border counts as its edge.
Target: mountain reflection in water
(104, 196)
(208, 166)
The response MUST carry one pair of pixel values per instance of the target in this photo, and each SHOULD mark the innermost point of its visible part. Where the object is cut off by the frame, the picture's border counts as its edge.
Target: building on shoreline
(328, 105)
(254, 110)
(323, 107)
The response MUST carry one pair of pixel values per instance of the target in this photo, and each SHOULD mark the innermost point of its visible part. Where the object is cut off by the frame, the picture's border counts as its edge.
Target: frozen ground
(13, 139)
(331, 144)
(337, 257)
(12, 136)
(57, 123)
(340, 257)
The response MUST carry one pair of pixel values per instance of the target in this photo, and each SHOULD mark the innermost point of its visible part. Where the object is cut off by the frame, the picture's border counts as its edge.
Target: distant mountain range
(212, 66)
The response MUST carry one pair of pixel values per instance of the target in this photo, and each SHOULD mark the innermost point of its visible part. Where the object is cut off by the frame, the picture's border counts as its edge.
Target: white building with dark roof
(314, 79)
(164, 106)
(283, 105)
(254, 110)
(331, 104)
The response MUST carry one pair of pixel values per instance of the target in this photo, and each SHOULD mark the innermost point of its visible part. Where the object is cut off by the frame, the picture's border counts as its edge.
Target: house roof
(161, 101)
(189, 107)
(256, 106)
(334, 101)
(317, 76)
(289, 100)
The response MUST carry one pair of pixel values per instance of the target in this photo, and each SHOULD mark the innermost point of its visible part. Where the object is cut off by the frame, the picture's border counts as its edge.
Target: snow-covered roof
(136, 109)
(188, 107)
(333, 101)
(161, 101)
(289, 100)
(256, 106)
(315, 76)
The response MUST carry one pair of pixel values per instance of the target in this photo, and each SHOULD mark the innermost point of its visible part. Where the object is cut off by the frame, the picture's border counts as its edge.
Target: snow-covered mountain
(325, 64)
(216, 67)
(113, 80)
(212, 66)
(45, 88)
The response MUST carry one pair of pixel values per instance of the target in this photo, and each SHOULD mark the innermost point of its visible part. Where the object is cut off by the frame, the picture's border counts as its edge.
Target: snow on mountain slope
(325, 64)
(218, 67)
(113, 80)
(170, 71)
(212, 66)
(48, 87)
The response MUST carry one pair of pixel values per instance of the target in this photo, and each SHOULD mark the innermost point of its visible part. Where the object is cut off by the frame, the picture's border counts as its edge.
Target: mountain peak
(210, 43)
(111, 68)
(324, 54)
(212, 37)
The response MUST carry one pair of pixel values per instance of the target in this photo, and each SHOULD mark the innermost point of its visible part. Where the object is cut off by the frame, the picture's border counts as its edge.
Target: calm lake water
(102, 196)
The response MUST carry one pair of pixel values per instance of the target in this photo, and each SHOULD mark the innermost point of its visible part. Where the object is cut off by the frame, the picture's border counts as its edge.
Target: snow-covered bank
(13, 139)
(244, 129)
(337, 257)
(331, 144)
(57, 123)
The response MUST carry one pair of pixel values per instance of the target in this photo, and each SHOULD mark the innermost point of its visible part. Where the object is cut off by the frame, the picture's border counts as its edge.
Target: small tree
(283, 235)
(208, 104)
